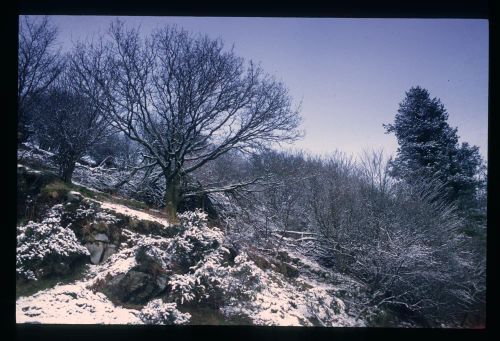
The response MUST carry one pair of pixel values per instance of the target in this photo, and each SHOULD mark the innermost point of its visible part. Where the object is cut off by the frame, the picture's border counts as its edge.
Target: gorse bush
(158, 312)
(207, 276)
(195, 240)
(46, 247)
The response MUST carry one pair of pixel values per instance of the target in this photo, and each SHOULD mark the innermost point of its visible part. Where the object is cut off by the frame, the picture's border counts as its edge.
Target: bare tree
(39, 64)
(375, 170)
(70, 123)
(186, 100)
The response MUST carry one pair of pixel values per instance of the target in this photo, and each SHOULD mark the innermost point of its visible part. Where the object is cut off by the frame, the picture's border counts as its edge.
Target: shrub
(195, 241)
(46, 247)
(55, 190)
(158, 312)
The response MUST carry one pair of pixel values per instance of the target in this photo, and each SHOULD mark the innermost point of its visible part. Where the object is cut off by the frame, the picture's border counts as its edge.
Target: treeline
(187, 119)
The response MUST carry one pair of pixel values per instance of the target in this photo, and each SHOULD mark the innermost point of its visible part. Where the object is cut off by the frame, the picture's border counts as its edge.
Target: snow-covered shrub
(158, 312)
(193, 218)
(106, 218)
(246, 278)
(207, 282)
(183, 288)
(195, 241)
(323, 306)
(214, 283)
(46, 244)
(207, 276)
(150, 249)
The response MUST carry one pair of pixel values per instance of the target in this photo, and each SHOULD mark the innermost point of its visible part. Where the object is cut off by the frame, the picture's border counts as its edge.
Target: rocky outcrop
(146, 280)
(99, 231)
(100, 248)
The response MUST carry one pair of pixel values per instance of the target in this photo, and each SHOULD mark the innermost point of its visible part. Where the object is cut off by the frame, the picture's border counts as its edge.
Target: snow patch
(132, 212)
(72, 304)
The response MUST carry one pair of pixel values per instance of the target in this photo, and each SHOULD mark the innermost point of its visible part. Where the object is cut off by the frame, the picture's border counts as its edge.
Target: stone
(101, 237)
(140, 284)
(108, 251)
(75, 196)
(135, 287)
(291, 271)
(261, 262)
(283, 256)
(96, 249)
(229, 255)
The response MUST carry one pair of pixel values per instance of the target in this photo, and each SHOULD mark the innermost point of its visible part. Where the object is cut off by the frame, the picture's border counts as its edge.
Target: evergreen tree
(429, 148)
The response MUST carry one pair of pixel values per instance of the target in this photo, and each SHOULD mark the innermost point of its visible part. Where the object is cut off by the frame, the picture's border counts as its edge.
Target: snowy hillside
(84, 261)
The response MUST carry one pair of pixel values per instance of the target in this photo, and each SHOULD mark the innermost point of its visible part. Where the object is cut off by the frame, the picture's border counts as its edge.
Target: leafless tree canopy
(39, 64)
(69, 122)
(187, 100)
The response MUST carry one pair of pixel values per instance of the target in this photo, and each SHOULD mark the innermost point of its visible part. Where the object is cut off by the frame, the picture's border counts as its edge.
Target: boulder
(229, 256)
(260, 261)
(100, 248)
(101, 237)
(135, 287)
(284, 257)
(146, 280)
(289, 271)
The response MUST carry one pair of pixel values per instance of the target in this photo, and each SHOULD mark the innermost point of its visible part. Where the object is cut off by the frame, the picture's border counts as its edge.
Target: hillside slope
(85, 258)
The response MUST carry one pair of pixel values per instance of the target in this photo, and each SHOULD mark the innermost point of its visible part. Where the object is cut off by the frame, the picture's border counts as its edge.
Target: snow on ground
(77, 303)
(116, 264)
(72, 304)
(132, 212)
(86, 186)
(282, 302)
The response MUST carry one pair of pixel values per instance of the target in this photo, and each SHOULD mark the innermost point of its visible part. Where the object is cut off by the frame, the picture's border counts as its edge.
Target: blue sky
(349, 73)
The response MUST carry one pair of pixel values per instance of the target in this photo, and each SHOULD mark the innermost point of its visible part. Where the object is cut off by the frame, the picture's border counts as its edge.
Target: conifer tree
(429, 148)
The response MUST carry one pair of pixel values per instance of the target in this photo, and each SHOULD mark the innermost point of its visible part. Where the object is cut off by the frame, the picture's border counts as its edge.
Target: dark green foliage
(429, 148)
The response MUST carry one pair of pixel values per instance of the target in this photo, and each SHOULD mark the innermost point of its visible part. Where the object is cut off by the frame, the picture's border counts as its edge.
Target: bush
(158, 312)
(55, 190)
(47, 247)
(195, 240)
(206, 275)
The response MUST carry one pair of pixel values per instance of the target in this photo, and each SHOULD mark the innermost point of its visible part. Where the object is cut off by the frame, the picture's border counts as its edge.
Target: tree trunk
(66, 170)
(172, 198)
